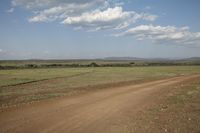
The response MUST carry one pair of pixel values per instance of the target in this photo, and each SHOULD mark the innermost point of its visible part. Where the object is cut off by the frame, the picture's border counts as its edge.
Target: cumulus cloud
(161, 34)
(57, 12)
(49, 10)
(91, 14)
(111, 17)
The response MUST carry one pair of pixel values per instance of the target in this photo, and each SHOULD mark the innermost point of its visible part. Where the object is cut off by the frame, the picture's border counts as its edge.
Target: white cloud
(47, 14)
(97, 17)
(1, 50)
(11, 10)
(168, 34)
(149, 17)
(51, 10)
(91, 14)
(58, 12)
(109, 18)
(37, 4)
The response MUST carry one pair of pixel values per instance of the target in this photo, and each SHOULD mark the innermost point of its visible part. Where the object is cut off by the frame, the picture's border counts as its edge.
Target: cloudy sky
(66, 29)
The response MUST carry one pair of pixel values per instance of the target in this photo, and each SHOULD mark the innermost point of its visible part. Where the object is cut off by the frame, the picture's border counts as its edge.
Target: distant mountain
(151, 59)
(193, 59)
(136, 59)
(123, 58)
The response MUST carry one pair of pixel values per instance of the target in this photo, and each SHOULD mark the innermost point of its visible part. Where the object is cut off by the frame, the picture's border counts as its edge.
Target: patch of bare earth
(176, 111)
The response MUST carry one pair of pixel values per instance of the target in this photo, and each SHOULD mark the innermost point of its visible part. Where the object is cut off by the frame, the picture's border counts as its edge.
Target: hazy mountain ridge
(152, 59)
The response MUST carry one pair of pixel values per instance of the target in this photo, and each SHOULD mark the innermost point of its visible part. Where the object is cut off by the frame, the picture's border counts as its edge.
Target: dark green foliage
(91, 63)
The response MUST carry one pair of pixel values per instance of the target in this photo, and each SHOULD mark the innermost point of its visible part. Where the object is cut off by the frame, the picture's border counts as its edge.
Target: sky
(88, 29)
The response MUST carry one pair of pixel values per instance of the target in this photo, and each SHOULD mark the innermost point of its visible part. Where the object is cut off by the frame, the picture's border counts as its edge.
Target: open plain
(101, 100)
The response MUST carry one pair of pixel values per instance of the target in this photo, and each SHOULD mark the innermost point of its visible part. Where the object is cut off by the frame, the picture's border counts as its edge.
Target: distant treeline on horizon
(90, 63)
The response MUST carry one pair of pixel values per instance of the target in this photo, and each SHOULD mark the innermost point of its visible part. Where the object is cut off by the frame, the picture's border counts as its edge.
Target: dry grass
(27, 85)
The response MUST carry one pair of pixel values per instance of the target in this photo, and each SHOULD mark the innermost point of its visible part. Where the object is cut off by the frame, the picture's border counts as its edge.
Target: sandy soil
(103, 111)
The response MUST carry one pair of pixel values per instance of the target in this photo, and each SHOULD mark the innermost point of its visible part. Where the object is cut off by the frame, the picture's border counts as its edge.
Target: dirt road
(102, 111)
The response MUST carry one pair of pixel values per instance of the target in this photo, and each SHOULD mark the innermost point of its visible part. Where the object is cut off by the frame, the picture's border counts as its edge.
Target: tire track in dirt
(104, 111)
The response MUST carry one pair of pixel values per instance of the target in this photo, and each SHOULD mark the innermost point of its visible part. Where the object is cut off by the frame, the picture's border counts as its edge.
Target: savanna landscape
(99, 66)
(100, 99)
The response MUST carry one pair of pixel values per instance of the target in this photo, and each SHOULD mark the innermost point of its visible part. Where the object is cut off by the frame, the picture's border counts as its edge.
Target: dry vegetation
(121, 99)
(27, 85)
(176, 111)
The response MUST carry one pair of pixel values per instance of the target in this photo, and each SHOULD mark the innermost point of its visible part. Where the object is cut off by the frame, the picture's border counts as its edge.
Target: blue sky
(66, 29)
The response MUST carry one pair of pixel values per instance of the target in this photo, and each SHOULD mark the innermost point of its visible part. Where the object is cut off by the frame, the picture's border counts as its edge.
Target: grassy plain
(26, 85)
